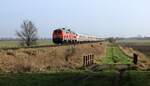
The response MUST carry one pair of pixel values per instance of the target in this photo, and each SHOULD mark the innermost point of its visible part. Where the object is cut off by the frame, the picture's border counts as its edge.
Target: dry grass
(47, 59)
(144, 62)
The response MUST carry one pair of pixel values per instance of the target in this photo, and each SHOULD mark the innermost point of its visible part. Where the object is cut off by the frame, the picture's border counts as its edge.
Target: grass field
(104, 78)
(115, 55)
(4, 44)
(12, 44)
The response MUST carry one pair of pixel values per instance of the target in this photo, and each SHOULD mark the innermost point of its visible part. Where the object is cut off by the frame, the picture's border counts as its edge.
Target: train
(63, 35)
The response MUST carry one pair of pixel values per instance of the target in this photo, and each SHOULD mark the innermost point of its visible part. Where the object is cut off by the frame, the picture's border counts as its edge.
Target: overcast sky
(97, 17)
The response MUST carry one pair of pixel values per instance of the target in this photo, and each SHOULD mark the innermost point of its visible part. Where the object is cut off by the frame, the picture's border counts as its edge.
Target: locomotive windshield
(57, 31)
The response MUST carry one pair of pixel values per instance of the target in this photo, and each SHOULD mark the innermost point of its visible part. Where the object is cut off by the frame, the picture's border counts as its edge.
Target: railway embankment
(48, 59)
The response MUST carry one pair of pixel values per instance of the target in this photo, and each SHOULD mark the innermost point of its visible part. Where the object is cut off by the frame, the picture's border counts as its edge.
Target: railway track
(44, 46)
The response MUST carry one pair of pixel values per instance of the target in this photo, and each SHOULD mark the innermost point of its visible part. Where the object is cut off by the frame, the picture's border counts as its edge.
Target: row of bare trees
(27, 34)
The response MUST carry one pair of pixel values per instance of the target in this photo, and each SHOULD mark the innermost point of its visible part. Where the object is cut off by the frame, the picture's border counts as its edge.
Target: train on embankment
(63, 36)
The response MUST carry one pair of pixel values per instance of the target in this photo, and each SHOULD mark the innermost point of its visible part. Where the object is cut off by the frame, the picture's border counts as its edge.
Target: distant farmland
(12, 44)
(134, 41)
(140, 45)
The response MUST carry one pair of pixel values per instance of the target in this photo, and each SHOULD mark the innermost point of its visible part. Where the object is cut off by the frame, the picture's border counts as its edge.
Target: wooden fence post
(84, 61)
(135, 58)
(92, 59)
(88, 61)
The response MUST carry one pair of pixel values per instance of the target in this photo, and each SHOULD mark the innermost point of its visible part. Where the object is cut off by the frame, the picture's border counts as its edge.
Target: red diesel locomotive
(63, 35)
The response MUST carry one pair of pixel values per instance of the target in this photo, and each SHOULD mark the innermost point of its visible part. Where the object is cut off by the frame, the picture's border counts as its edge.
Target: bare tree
(28, 34)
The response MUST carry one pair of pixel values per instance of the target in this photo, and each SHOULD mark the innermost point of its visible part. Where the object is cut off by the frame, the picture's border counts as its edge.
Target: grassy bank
(130, 78)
